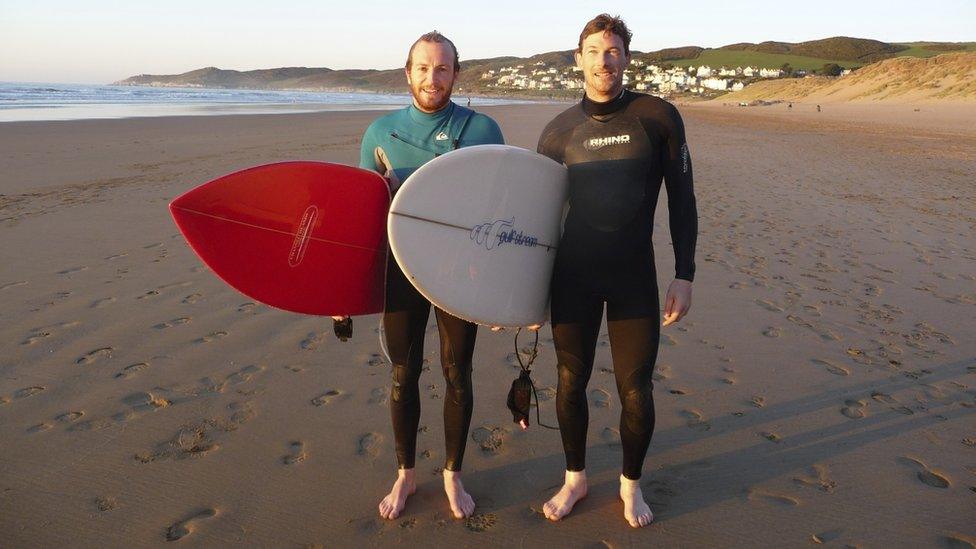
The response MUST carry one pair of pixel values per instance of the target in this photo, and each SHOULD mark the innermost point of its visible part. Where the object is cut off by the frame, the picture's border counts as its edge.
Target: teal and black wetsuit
(396, 145)
(617, 154)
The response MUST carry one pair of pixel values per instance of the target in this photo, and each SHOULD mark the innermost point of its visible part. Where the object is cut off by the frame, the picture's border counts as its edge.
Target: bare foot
(573, 490)
(394, 502)
(636, 510)
(462, 505)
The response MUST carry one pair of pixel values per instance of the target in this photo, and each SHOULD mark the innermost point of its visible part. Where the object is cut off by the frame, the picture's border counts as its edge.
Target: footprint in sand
(854, 409)
(490, 439)
(211, 337)
(297, 454)
(13, 284)
(892, 402)
(35, 337)
(859, 356)
(244, 375)
(925, 474)
(772, 498)
(375, 359)
(818, 479)
(696, 420)
(610, 436)
(40, 427)
(835, 369)
(28, 391)
(185, 527)
(90, 425)
(145, 401)
(758, 401)
(326, 397)
(312, 341)
(73, 270)
(772, 331)
(369, 445)
(92, 356)
(679, 391)
(378, 396)
(243, 412)
(99, 303)
(68, 417)
(668, 340)
(131, 370)
(105, 503)
(661, 372)
(481, 522)
(246, 307)
(192, 298)
(172, 323)
(600, 398)
(771, 437)
(546, 393)
(769, 306)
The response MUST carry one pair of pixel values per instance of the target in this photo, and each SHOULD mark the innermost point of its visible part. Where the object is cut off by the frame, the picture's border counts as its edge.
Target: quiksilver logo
(684, 158)
(501, 231)
(596, 143)
(300, 244)
(441, 137)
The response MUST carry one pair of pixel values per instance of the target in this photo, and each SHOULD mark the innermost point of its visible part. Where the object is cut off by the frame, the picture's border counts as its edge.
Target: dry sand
(822, 390)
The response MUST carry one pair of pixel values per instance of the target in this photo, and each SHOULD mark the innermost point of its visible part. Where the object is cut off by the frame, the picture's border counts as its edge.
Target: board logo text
(501, 231)
(300, 244)
(596, 143)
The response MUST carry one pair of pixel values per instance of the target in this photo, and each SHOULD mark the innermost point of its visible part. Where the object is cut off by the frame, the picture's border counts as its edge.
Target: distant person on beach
(395, 145)
(818, 108)
(618, 146)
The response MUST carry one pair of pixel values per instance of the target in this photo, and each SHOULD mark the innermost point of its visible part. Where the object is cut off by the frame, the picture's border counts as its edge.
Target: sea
(21, 101)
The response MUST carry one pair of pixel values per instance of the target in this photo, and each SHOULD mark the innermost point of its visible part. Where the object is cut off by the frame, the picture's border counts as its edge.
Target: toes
(644, 520)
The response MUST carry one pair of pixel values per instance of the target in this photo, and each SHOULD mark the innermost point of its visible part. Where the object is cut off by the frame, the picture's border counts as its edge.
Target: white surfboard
(476, 230)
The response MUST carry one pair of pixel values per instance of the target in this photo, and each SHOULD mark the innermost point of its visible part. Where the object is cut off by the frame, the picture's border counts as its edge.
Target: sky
(100, 41)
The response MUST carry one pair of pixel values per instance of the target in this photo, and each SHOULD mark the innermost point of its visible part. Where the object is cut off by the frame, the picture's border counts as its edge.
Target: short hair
(438, 38)
(606, 23)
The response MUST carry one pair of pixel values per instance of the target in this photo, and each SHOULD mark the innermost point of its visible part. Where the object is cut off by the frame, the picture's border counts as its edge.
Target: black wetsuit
(617, 154)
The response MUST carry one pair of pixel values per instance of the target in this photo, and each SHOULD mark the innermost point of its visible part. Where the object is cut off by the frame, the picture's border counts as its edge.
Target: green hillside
(730, 58)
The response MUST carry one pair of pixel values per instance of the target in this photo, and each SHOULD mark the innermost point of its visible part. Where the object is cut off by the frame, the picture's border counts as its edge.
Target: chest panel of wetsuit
(609, 161)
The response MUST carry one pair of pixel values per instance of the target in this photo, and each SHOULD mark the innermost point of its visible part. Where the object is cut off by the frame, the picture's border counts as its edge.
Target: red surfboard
(308, 237)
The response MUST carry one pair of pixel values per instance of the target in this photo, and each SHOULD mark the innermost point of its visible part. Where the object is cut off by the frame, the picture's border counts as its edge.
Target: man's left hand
(677, 302)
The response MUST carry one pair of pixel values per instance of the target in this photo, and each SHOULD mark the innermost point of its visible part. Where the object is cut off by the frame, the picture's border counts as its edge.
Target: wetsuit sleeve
(367, 156)
(548, 144)
(682, 211)
(482, 130)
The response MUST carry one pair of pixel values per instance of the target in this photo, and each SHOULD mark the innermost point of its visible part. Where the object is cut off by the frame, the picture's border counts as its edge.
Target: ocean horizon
(32, 101)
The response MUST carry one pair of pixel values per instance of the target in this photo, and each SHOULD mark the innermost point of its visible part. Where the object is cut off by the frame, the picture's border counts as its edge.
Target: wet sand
(822, 390)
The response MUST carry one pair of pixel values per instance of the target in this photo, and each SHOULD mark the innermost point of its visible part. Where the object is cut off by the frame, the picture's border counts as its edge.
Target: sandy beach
(821, 391)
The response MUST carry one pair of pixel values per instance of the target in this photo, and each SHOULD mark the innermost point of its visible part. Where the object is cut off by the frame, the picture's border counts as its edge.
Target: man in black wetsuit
(618, 146)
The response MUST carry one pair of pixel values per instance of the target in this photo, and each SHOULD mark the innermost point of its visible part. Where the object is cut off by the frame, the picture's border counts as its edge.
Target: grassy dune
(946, 77)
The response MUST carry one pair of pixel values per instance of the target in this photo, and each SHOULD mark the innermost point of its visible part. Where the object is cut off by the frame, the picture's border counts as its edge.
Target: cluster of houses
(639, 76)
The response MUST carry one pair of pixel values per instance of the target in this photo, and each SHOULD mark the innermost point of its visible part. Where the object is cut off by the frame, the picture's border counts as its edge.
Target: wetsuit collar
(422, 117)
(595, 108)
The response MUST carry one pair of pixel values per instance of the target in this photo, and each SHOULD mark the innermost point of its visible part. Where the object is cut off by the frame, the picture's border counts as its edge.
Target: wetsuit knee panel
(638, 409)
(458, 383)
(405, 384)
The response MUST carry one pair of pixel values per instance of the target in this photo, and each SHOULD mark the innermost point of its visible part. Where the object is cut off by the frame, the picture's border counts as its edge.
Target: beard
(428, 103)
(606, 85)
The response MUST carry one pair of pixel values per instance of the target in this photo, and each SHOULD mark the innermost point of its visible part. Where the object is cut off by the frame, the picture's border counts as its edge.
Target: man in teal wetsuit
(396, 145)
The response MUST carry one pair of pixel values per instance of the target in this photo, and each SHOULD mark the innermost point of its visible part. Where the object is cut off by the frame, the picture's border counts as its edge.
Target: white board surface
(476, 230)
